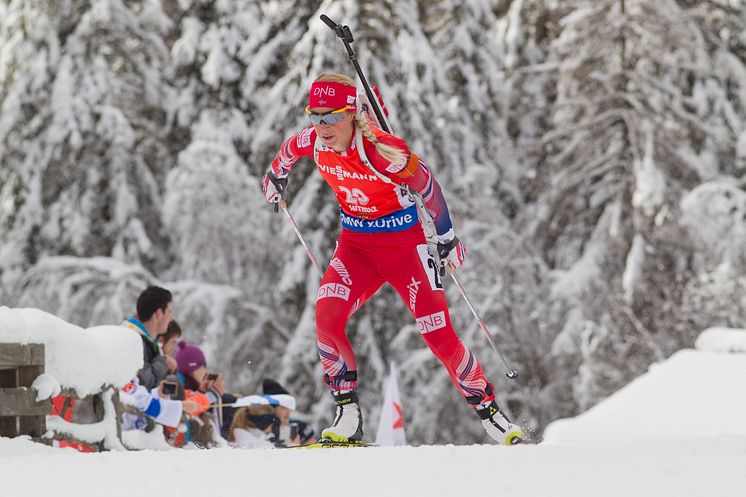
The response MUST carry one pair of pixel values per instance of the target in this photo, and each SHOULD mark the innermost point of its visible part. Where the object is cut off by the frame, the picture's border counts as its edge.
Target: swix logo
(341, 270)
(337, 290)
(432, 322)
(413, 287)
(318, 92)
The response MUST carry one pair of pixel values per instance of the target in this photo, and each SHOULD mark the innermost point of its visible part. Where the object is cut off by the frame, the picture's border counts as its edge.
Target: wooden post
(35, 425)
(8, 424)
(20, 414)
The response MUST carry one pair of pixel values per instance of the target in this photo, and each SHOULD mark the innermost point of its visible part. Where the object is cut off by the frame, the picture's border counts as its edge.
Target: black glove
(452, 252)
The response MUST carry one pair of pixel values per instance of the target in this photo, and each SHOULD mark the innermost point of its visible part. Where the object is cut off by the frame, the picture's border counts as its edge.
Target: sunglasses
(332, 117)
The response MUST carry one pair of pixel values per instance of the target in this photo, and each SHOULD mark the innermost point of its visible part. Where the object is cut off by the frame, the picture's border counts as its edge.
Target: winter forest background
(593, 153)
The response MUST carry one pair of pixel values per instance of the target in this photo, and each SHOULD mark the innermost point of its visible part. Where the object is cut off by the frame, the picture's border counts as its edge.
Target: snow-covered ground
(710, 467)
(679, 431)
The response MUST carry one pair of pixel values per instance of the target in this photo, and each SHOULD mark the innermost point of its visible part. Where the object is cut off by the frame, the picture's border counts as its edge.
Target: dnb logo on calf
(334, 290)
(433, 322)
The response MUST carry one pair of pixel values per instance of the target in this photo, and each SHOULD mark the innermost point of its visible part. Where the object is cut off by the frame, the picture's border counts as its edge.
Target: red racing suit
(381, 241)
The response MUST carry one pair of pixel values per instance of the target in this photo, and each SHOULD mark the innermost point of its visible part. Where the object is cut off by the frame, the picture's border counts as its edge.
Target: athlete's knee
(443, 343)
(330, 319)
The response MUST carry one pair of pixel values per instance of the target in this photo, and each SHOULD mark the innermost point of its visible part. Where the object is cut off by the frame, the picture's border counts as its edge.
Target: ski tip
(524, 441)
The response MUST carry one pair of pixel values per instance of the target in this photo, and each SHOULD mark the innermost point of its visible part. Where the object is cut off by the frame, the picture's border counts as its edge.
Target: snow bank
(694, 394)
(722, 340)
(81, 359)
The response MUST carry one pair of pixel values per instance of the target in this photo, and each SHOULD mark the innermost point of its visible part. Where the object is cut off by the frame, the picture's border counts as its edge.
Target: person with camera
(195, 403)
(156, 406)
(291, 432)
(253, 427)
(192, 366)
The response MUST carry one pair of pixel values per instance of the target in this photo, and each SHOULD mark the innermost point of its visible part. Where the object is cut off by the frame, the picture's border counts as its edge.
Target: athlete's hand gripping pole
(315, 263)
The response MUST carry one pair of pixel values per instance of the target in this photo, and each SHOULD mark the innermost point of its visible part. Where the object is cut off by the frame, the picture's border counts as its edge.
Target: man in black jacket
(153, 316)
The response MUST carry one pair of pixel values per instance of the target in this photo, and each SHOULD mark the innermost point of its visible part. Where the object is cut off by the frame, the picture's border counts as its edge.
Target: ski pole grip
(329, 22)
(342, 32)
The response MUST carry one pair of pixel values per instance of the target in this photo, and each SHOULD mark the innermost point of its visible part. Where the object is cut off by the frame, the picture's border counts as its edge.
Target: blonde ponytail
(391, 154)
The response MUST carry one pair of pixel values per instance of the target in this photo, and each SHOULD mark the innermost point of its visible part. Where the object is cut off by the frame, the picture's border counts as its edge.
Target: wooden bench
(20, 413)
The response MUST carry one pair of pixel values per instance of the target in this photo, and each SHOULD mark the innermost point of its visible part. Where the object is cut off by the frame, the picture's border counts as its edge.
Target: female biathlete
(381, 241)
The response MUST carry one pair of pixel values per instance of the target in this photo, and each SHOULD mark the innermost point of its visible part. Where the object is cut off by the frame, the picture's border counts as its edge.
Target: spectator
(253, 427)
(168, 342)
(153, 316)
(192, 365)
(157, 407)
(292, 431)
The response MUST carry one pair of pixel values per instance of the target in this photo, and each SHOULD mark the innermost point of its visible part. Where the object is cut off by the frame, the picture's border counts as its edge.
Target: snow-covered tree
(82, 133)
(646, 109)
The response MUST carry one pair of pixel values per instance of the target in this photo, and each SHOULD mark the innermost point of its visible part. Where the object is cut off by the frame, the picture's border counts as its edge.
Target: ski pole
(284, 208)
(344, 33)
(509, 372)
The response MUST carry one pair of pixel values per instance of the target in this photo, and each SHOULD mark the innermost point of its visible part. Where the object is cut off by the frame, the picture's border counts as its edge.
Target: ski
(331, 444)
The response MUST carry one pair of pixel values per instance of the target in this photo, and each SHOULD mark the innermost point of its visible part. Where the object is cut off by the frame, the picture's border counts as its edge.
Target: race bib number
(430, 266)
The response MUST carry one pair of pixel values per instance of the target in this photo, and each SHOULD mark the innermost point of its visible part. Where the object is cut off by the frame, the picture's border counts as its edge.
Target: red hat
(332, 95)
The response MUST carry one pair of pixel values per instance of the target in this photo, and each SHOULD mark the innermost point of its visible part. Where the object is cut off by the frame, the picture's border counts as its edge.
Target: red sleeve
(414, 173)
(295, 147)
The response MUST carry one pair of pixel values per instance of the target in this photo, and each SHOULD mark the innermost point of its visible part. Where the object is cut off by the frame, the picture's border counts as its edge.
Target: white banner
(391, 423)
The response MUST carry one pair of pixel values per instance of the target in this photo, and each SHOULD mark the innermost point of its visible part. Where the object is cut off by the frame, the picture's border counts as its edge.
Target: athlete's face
(338, 135)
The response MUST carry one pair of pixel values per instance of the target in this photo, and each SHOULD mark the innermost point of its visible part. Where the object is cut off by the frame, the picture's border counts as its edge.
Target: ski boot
(348, 423)
(498, 426)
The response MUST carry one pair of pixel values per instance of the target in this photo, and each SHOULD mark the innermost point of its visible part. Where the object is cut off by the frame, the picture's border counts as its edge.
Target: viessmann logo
(342, 174)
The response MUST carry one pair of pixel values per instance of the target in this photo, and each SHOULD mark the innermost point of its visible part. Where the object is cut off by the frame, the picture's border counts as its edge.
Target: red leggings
(360, 265)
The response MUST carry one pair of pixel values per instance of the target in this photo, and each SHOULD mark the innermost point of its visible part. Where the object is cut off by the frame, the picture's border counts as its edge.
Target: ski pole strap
(334, 381)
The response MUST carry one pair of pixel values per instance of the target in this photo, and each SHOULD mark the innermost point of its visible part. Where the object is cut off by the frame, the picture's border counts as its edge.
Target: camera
(288, 432)
(170, 388)
(212, 376)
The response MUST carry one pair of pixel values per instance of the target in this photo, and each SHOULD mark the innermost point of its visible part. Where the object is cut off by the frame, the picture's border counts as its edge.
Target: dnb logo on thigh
(334, 290)
(433, 322)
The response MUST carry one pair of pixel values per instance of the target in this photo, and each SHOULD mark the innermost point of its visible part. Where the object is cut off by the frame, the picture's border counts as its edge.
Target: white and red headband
(332, 95)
